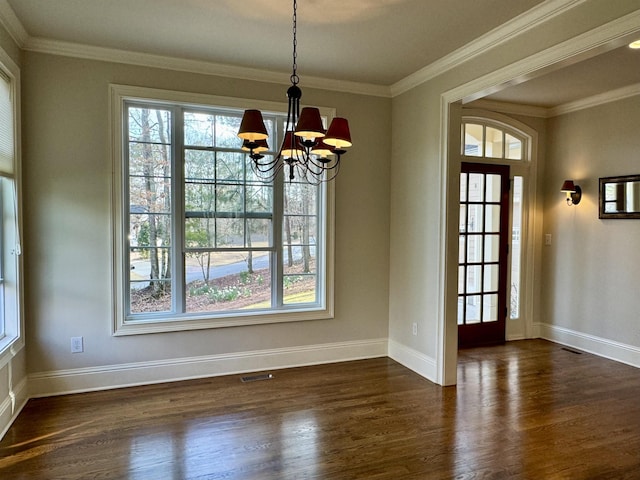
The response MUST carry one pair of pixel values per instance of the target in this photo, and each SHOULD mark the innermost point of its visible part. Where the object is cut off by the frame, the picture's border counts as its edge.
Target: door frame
(531, 219)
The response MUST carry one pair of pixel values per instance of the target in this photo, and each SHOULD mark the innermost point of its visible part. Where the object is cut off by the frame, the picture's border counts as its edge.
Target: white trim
(412, 359)
(569, 107)
(595, 100)
(532, 18)
(76, 50)
(12, 405)
(12, 24)
(509, 108)
(106, 377)
(620, 352)
(575, 47)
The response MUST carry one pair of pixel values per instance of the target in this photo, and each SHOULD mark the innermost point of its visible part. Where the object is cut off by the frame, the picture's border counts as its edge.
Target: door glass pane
(494, 190)
(474, 278)
(463, 187)
(491, 248)
(463, 218)
(492, 218)
(490, 308)
(473, 309)
(493, 143)
(476, 187)
(474, 249)
(460, 310)
(490, 278)
(513, 148)
(475, 218)
(461, 279)
(461, 248)
(516, 248)
(473, 140)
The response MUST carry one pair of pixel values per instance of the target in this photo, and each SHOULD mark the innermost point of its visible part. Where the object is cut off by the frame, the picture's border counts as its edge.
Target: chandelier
(306, 148)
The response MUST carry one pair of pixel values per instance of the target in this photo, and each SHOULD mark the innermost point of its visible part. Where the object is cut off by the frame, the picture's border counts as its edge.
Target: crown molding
(499, 35)
(12, 24)
(509, 108)
(574, 47)
(69, 49)
(594, 101)
(550, 112)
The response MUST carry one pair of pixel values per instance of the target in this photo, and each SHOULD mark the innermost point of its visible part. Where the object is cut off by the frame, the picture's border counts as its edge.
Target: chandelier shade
(306, 148)
(252, 126)
(321, 149)
(291, 147)
(338, 134)
(310, 124)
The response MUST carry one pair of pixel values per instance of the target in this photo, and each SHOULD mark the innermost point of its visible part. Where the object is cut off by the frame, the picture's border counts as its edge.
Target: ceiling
(376, 42)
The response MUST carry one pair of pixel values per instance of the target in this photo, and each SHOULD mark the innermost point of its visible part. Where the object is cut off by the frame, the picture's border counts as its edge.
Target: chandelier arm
(265, 167)
(314, 178)
(330, 165)
(266, 175)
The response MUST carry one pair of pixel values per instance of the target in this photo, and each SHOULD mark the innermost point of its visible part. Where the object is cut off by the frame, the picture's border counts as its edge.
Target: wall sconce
(574, 192)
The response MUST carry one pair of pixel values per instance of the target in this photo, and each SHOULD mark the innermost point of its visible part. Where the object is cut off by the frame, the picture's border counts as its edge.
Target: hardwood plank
(527, 409)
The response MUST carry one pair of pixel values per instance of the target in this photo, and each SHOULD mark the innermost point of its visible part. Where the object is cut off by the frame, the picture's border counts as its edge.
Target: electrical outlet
(547, 239)
(415, 328)
(77, 345)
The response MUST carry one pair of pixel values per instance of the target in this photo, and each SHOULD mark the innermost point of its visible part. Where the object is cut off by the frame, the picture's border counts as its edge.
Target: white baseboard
(602, 347)
(12, 405)
(412, 359)
(143, 373)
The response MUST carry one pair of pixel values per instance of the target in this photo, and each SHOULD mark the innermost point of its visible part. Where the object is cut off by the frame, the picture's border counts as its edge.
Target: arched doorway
(497, 188)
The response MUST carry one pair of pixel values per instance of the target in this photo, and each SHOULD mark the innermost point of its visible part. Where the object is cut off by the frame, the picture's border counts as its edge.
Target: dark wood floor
(529, 410)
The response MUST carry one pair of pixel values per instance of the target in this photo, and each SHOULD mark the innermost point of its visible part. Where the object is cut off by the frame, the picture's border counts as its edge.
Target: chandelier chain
(294, 75)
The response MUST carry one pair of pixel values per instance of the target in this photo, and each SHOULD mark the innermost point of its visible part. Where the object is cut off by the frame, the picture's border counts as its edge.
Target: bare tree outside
(227, 218)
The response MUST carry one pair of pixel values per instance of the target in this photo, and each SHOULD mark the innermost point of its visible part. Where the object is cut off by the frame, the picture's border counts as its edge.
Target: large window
(202, 241)
(11, 337)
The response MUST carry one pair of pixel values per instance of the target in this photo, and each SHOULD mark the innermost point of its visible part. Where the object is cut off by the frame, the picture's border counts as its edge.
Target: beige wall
(67, 177)
(591, 270)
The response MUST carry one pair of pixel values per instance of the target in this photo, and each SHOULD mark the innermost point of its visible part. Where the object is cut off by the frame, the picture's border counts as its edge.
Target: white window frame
(119, 95)
(11, 284)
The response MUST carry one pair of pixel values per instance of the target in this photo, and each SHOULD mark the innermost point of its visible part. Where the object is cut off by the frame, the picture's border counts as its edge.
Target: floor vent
(255, 378)
(572, 351)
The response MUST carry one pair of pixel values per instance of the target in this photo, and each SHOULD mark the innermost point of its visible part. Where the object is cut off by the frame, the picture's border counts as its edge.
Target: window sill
(9, 348)
(179, 324)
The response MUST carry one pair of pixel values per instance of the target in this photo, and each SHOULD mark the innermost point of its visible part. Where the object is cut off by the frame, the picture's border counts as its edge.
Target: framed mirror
(620, 197)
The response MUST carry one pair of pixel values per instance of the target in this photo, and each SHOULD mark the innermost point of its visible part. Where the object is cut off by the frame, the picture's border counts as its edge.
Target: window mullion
(177, 212)
(277, 293)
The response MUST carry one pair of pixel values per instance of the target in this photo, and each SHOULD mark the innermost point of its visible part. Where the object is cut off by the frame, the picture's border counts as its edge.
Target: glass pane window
(473, 140)
(150, 196)
(516, 248)
(200, 231)
(513, 147)
(493, 143)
